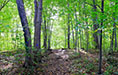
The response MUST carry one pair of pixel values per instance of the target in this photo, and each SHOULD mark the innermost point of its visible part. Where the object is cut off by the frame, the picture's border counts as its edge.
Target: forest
(58, 37)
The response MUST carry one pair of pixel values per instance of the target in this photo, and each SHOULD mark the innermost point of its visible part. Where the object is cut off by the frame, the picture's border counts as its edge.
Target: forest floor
(58, 62)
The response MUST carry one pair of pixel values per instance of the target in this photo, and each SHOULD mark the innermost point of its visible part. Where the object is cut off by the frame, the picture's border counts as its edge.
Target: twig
(92, 5)
(4, 3)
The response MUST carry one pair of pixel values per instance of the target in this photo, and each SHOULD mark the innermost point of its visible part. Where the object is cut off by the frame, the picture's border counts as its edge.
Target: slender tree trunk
(95, 26)
(45, 34)
(112, 41)
(49, 35)
(87, 40)
(27, 35)
(82, 40)
(76, 31)
(68, 29)
(113, 34)
(38, 20)
(87, 29)
(114, 25)
(49, 39)
(100, 53)
(73, 34)
(115, 40)
(115, 28)
(49, 31)
(87, 36)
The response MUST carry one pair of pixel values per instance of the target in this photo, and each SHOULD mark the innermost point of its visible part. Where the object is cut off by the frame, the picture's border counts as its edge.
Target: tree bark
(38, 21)
(68, 29)
(45, 34)
(115, 39)
(27, 35)
(115, 33)
(112, 41)
(100, 53)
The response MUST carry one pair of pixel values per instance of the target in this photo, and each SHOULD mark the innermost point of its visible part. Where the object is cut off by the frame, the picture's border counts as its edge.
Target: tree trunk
(82, 46)
(38, 20)
(27, 35)
(45, 34)
(49, 37)
(115, 40)
(68, 29)
(73, 34)
(76, 31)
(115, 33)
(112, 41)
(100, 53)
(87, 36)
(95, 26)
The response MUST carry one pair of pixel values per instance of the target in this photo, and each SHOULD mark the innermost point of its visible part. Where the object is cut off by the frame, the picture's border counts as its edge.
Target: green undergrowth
(87, 65)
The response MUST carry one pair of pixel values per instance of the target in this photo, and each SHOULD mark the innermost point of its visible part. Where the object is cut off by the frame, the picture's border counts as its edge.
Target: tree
(95, 26)
(45, 32)
(114, 30)
(27, 35)
(37, 22)
(76, 29)
(49, 28)
(73, 34)
(100, 56)
(68, 29)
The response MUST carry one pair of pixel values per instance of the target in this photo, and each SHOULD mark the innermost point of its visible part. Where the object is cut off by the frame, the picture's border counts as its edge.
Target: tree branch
(4, 3)
(92, 5)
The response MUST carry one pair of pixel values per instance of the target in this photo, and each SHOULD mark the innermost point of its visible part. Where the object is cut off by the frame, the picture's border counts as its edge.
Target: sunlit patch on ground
(62, 54)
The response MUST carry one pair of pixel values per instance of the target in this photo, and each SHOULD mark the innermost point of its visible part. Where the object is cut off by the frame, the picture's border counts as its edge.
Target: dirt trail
(58, 63)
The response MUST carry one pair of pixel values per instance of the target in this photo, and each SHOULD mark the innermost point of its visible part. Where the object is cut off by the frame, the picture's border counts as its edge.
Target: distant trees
(47, 28)
(96, 25)
(81, 22)
(114, 36)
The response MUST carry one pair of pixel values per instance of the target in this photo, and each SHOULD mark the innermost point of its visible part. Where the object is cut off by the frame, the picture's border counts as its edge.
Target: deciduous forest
(58, 37)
